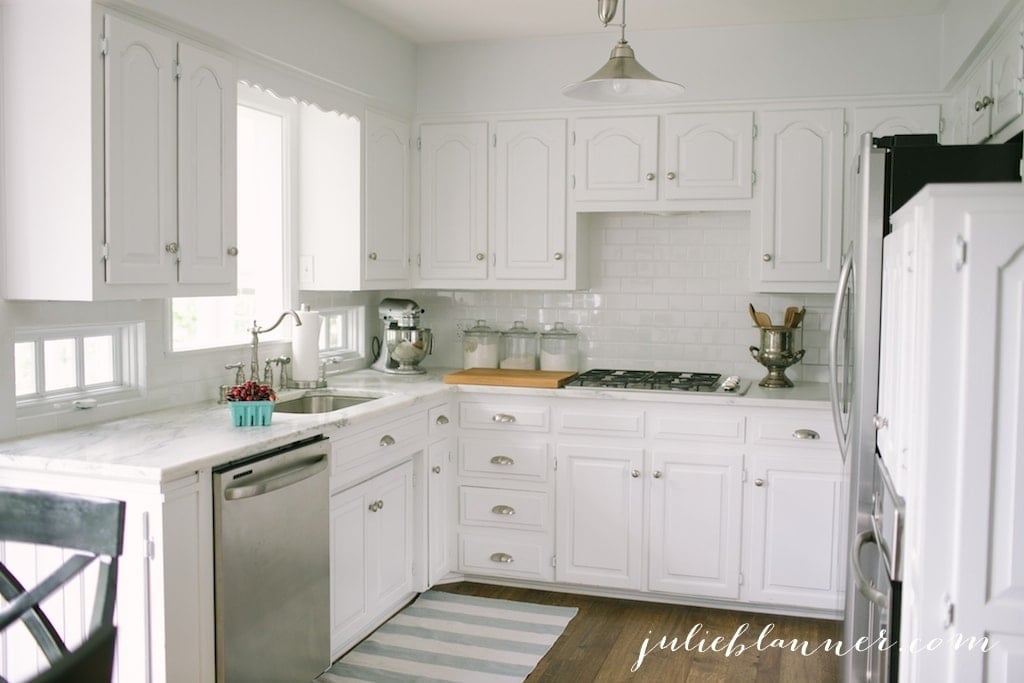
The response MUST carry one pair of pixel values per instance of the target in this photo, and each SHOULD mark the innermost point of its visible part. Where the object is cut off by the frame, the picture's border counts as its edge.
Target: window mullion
(40, 368)
(79, 362)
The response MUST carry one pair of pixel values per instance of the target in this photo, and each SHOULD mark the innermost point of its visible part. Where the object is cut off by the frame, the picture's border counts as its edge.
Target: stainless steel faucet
(254, 362)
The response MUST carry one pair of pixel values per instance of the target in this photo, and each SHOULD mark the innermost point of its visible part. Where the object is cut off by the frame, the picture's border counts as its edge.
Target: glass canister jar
(480, 346)
(519, 348)
(558, 349)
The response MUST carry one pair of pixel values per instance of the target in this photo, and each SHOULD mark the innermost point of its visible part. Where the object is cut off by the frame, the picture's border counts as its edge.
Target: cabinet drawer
(507, 554)
(793, 429)
(375, 444)
(504, 416)
(608, 422)
(491, 458)
(508, 508)
(686, 422)
(439, 420)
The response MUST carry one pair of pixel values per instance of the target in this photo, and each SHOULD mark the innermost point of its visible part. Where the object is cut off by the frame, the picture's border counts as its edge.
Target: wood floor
(605, 641)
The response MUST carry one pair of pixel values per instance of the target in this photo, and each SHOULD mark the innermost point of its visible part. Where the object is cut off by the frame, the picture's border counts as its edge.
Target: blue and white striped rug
(448, 637)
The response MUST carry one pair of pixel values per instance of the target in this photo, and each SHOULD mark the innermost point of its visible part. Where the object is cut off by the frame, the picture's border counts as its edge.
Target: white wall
(852, 58)
(667, 293)
(965, 24)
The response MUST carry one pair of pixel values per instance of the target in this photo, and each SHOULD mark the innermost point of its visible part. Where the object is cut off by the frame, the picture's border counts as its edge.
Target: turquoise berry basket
(251, 413)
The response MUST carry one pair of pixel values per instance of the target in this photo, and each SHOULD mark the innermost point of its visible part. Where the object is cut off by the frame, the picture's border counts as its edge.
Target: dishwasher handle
(277, 479)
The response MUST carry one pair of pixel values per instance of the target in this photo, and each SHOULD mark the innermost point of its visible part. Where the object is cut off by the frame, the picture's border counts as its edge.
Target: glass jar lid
(519, 329)
(481, 329)
(558, 331)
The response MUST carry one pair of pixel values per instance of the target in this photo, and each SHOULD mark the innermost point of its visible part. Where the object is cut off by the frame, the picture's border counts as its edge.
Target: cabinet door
(529, 200)
(386, 226)
(882, 121)
(1007, 72)
(696, 521)
(441, 510)
(794, 530)
(799, 217)
(453, 201)
(140, 122)
(616, 158)
(977, 91)
(207, 112)
(350, 548)
(708, 156)
(390, 531)
(599, 515)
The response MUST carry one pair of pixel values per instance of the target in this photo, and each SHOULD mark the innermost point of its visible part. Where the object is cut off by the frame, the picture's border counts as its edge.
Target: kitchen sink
(320, 402)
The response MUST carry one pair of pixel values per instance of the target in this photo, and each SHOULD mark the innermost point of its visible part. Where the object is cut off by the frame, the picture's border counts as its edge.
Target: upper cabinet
(797, 224)
(992, 96)
(495, 220)
(627, 162)
(131, 193)
(353, 205)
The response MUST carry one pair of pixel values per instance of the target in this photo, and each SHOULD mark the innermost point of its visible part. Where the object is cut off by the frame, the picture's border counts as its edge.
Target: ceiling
(437, 21)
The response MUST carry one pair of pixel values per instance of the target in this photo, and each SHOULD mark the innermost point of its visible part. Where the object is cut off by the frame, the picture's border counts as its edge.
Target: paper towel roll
(306, 347)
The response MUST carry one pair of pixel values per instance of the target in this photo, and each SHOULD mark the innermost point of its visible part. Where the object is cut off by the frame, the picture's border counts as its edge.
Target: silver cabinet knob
(504, 418)
(503, 558)
(766, 257)
(759, 482)
(387, 440)
(503, 510)
(558, 256)
(232, 251)
(984, 102)
(670, 175)
(502, 460)
(635, 474)
(806, 434)
(441, 420)
(436, 469)
(480, 256)
(171, 247)
(376, 505)
(372, 256)
(657, 474)
(650, 176)
(880, 422)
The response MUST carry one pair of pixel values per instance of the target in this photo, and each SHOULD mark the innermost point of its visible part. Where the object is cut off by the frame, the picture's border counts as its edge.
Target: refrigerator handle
(864, 586)
(846, 270)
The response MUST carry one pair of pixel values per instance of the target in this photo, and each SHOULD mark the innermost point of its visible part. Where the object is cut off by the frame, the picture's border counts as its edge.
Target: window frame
(351, 356)
(127, 349)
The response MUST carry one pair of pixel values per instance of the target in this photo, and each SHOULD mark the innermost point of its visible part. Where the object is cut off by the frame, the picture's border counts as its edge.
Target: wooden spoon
(790, 316)
(761, 319)
(753, 314)
(798, 318)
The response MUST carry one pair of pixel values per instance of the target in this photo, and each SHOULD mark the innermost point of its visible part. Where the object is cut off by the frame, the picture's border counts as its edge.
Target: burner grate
(648, 380)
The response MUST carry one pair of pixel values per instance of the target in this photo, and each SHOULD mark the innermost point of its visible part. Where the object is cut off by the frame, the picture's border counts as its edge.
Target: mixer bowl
(407, 347)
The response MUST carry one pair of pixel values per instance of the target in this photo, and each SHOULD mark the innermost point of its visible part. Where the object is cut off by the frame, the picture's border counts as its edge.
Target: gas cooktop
(658, 380)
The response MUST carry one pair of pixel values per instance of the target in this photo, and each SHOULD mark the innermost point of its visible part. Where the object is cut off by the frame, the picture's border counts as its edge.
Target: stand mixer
(404, 343)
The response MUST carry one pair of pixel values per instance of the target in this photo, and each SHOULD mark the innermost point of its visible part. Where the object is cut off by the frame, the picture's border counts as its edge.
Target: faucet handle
(237, 367)
(283, 375)
(333, 360)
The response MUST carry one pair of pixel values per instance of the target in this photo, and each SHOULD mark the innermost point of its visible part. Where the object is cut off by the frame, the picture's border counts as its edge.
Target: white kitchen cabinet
(441, 510)
(644, 159)
(616, 158)
(600, 515)
(893, 120)
(143, 157)
(495, 220)
(387, 181)
(371, 553)
(797, 223)
(453, 201)
(164, 608)
(695, 520)
(795, 521)
(992, 94)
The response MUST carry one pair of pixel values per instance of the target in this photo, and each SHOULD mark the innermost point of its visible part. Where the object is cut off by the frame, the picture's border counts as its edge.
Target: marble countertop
(165, 445)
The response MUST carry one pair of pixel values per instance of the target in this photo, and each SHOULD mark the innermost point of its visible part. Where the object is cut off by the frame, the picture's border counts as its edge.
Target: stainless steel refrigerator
(890, 171)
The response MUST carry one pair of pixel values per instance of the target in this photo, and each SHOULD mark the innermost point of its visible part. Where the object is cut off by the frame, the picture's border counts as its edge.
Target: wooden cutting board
(544, 379)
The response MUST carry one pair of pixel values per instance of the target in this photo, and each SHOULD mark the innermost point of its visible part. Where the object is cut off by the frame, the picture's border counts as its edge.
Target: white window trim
(353, 355)
(128, 362)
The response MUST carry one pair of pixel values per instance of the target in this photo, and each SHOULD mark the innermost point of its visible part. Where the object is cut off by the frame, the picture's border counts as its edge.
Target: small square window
(24, 368)
(59, 364)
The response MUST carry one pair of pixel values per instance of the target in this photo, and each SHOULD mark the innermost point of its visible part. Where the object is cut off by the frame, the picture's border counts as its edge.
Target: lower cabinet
(371, 553)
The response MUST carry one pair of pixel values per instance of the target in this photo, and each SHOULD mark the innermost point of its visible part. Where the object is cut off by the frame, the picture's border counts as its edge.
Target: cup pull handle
(503, 558)
(503, 460)
(806, 434)
(503, 510)
(503, 418)
(387, 440)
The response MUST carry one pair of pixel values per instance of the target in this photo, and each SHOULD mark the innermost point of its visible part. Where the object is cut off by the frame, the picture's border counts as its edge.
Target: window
(74, 363)
(341, 334)
(266, 140)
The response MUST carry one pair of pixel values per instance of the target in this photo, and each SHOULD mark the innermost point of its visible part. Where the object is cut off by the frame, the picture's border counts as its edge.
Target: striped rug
(448, 637)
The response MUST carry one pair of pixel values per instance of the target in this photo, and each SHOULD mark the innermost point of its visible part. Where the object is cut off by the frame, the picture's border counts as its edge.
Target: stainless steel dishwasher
(271, 565)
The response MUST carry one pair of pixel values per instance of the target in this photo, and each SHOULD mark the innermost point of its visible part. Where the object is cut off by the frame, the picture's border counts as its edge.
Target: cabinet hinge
(948, 611)
(572, 181)
(419, 143)
(555, 463)
(741, 578)
(418, 262)
(846, 129)
(572, 138)
(753, 177)
(494, 140)
(177, 70)
(554, 560)
(942, 125)
(414, 480)
(105, 251)
(103, 46)
(743, 475)
(959, 253)
(754, 136)
(150, 549)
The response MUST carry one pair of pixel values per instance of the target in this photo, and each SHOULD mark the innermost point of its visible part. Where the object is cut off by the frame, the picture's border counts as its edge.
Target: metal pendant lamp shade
(622, 78)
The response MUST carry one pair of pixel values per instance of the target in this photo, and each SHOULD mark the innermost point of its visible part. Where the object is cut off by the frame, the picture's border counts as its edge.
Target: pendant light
(622, 79)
